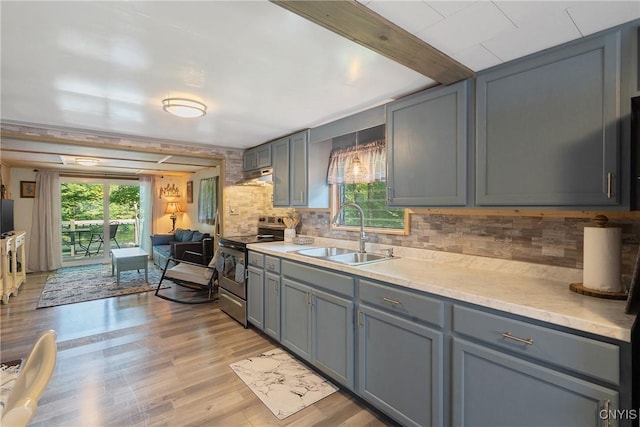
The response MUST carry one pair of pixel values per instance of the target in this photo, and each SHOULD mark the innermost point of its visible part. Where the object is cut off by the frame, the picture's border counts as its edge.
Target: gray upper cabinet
(281, 172)
(427, 148)
(546, 129)
(290, 170)
(298, 166)
(257, 157)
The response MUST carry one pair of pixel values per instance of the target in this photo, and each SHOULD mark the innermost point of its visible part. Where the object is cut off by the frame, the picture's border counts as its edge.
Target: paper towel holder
(600, 221)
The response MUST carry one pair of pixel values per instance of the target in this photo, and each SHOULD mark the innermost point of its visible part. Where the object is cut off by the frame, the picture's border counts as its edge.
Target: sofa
(165, 246)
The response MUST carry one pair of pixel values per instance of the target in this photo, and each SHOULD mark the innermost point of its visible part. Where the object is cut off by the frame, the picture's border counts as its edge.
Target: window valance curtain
(373, 156)
(208, 200)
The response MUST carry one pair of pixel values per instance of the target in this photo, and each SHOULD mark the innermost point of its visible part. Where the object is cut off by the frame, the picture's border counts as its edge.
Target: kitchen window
(366, 187)
(371, 197)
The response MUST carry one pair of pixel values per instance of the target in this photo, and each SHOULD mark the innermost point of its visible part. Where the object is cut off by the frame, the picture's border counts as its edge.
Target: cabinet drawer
(584, 355)
(334, 282)
(19, 240)
(272, 264)
(405, 303)
(256, 259)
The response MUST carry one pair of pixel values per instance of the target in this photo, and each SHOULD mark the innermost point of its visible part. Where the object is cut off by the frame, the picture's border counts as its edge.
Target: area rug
(74, 285)
(282, 383)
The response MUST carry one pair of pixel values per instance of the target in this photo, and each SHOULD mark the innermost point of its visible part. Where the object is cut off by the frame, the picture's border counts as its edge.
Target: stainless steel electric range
(232, 280)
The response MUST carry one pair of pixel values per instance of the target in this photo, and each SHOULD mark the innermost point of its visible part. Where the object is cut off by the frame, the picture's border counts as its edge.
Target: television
(6, 218)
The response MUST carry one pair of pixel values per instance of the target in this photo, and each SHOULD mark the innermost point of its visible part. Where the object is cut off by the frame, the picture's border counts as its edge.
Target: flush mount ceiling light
(183, 107)
(87, 161)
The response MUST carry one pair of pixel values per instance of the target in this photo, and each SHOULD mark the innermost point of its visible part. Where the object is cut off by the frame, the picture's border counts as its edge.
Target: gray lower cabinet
(427, 148)
(255, 297)
(400, 367)
(491, 388)
(272, 305)
(316, 323)
(401, 353)
(295, 306)
(508, 372)
(547, 128)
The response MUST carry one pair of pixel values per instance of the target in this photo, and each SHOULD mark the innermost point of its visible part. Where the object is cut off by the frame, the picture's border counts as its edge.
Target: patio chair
(192, 276)
(97, 237)
(31, 381)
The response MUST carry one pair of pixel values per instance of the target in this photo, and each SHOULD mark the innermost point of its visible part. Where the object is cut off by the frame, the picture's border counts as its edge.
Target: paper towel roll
(601, 261)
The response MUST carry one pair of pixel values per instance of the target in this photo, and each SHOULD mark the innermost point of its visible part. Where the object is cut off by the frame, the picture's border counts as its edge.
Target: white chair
(34, 375)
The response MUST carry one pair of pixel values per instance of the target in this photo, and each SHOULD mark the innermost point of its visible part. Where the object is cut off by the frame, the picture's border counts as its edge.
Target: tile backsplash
(548, 240)
(554, 241)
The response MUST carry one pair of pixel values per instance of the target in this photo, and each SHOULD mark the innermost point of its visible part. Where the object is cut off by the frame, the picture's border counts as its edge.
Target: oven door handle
(225, 250)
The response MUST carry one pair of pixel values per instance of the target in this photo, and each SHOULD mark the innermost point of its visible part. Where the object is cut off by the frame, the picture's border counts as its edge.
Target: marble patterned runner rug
(283, 384)
(85, 284)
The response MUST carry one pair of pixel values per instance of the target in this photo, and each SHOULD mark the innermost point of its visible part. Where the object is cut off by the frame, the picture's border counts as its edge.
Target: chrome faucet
(363, 237)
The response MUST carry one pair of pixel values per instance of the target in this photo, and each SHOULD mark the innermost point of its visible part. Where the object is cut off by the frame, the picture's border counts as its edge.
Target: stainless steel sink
(357, 258)
(324, 252)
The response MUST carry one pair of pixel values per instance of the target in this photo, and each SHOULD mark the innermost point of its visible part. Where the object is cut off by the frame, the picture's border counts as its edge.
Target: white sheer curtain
(45, 245)
(146, 212)
(373, 156)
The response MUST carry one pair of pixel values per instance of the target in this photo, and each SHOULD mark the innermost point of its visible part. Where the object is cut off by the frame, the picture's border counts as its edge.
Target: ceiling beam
(362, 25)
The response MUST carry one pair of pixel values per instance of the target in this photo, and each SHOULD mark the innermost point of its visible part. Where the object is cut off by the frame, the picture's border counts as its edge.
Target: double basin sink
(342, 256)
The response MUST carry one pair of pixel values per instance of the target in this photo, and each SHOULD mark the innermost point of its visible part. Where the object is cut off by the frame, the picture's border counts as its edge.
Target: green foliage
(82, 202)
(373, 200)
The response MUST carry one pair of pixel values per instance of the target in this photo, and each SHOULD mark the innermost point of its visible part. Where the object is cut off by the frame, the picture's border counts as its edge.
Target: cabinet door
(298, 165)
(295, 325)
(491, 388)
(427, 148)
(332, 335)
(400, 368)
(249, 160)
(263, 156)
(281, 172)
(547, 128)
(255, 297)
(272, 305)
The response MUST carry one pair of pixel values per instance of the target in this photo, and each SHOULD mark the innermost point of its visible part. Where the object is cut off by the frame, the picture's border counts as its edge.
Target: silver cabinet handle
(610, 177)
(392, 301)
(607, 408)
(528, 341)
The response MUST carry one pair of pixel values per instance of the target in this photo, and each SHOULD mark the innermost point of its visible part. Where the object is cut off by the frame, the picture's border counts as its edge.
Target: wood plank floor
(139, 360)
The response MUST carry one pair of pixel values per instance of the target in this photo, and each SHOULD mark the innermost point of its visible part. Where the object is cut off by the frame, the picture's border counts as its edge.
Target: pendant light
(356, 170)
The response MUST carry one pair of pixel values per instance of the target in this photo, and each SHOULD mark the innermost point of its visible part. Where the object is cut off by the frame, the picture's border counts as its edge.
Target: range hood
(256, 177)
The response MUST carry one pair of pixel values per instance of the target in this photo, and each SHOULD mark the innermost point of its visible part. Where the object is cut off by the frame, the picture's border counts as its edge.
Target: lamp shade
(183, 107)
(173, 208)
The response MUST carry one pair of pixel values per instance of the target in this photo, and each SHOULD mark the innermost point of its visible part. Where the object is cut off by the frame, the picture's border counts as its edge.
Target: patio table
(75, 236)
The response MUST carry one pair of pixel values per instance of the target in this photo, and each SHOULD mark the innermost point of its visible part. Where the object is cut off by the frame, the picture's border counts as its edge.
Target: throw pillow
(178, 234)
(197, 236)
(186, 236)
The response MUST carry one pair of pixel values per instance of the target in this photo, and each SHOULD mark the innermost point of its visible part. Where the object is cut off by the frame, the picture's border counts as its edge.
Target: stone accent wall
(542, 240)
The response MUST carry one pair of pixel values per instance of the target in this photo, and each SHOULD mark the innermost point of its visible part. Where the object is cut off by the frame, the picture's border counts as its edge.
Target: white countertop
(511, 286)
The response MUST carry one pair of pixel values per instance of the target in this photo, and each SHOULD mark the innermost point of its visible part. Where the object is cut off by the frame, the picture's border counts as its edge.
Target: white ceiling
(262, 71)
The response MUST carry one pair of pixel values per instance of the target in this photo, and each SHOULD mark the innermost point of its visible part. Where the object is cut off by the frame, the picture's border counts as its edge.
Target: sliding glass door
(97, 216)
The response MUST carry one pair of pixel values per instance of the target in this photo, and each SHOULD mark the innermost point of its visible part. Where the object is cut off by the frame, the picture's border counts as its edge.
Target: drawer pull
(392, 301)
(528, 341)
